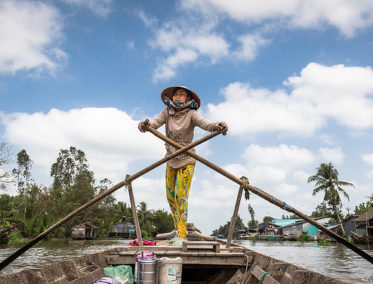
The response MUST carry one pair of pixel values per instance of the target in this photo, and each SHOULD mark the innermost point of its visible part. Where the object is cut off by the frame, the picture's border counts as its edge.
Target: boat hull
(202, 263)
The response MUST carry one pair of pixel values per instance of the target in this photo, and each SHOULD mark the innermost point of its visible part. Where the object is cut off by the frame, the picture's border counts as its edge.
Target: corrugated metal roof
(362, 217)
(285, 222)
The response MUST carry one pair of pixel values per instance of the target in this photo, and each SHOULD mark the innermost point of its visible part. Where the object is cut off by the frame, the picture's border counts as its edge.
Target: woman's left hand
(222, 127)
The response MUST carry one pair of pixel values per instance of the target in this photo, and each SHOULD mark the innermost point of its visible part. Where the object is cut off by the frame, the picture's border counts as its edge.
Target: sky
(292, 79)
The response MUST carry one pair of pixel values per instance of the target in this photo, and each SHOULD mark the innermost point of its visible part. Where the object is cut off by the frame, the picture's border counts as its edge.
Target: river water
(335, 260)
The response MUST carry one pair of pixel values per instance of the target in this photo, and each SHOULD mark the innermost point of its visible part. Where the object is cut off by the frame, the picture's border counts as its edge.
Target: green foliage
(326, 181)
(324, 243)
(252, 224)
(362, 208)
(322, 210)
(162, 221)
(5, 177)
(267, 219)
(224, 230)
(72, 187)
(71, 165)
(22, 173)
(17, 237)
(6, 206)
(303, 237)
(290, 216)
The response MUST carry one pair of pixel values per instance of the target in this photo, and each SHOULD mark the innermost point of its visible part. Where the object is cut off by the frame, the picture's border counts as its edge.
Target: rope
(126, 180)
(262, 277)
(245, 182)
(246, 272)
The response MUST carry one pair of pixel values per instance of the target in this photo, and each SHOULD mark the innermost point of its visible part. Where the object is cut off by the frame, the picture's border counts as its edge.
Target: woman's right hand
(143, 125)
(222, 127)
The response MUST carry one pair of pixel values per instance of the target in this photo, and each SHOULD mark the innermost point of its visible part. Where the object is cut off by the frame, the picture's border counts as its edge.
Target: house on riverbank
(123, 230)
(296, 229)
(84, 231)
(286, 229)
(269, 229)
(364, 223)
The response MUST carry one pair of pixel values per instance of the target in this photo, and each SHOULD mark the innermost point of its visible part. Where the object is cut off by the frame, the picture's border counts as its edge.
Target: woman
(180, 117)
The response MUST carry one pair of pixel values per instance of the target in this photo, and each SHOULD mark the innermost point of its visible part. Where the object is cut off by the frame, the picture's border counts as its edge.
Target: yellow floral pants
(177, 188)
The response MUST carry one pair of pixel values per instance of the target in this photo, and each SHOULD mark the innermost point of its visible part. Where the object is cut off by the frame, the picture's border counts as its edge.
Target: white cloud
(263, 111)
(198, 28)
(30, 35)
(166, 69)
(328, 139)
(186, 44)
(286, 189)
(130, 44)
(108, 136)
(333, 155)
(368, 158)
(148, 20)
(337, 92)
(250, 45)
(369, 174)
(273, 165)
(282, 156)
(300, 176)
(347, 16)
(152, 191)
(278, 170)
(99, 7)
(319, 93)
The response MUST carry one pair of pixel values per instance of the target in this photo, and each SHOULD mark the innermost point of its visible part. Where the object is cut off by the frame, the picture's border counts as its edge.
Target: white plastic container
(170, 270)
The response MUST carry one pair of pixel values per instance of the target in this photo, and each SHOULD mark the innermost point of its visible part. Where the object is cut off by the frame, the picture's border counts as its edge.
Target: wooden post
(134, 213)
(234, 217)
(366, 227)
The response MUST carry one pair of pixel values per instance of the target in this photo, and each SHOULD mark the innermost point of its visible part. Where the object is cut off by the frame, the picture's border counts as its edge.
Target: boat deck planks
(202, 254)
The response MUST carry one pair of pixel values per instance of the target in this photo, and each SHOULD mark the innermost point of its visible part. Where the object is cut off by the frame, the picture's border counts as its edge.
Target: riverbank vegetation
(37, 207)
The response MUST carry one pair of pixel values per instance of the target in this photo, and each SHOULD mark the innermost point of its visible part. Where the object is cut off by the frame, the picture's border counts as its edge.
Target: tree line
(37, 207)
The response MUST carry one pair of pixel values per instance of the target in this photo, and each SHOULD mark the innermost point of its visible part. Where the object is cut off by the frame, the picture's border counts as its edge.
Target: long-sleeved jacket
(180, 128)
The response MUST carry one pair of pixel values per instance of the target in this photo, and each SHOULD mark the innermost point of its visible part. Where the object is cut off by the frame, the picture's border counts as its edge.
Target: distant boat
(361, 239)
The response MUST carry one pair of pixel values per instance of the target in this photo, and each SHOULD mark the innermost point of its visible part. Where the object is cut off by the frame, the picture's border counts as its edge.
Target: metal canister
(147, 269)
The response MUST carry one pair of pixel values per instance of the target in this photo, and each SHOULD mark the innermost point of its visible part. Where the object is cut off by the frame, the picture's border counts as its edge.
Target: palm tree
(123, 212)
(327, 181)
(145, 217)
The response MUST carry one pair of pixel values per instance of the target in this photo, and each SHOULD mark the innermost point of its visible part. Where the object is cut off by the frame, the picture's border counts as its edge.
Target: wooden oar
(127, 181)
(266, 196)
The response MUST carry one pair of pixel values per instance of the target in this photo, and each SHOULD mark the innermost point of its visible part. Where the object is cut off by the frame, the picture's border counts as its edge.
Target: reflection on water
(335, 260)
(51, 251)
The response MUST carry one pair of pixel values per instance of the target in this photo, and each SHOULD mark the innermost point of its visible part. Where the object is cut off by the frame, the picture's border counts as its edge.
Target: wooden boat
(205, 260)
(361, 239)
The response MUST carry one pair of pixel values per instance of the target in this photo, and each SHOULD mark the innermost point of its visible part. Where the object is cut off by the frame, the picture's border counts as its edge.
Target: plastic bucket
(170, 270)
